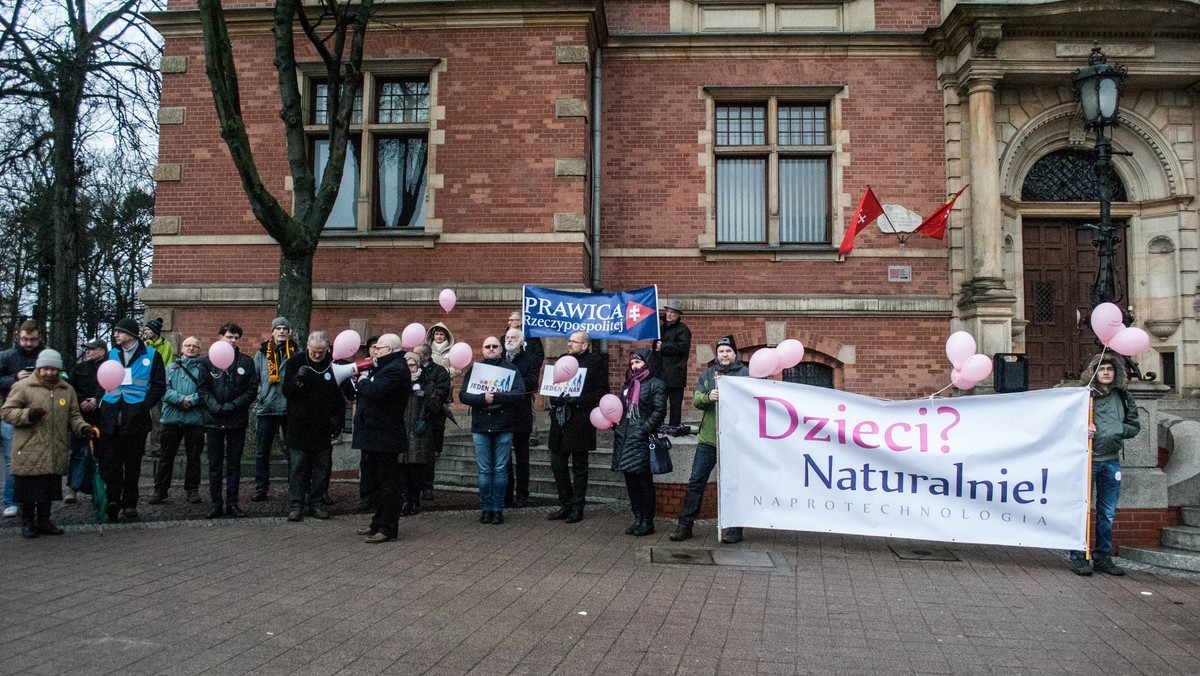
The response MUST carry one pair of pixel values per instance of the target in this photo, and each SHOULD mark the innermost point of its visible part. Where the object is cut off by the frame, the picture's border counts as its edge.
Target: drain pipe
(595, 215)
(597, 287)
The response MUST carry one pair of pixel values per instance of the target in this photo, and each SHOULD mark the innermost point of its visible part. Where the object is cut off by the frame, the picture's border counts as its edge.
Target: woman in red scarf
(645, 400)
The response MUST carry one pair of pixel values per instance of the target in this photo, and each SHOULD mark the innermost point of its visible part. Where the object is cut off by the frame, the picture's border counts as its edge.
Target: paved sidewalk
(264, 596)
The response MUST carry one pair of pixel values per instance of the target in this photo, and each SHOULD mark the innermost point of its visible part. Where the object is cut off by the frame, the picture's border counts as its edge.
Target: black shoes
(575, 516)
(318, 513)
(559, 514)
(1081, 566)
(235, 512)
(157, 499)
(731, 536)
(1104, 565)
(681, 533)
(521, 502)
(216, 512)
(485, 517)
(294, 515)
(644, 527)
(28, 531)
(260, 496)
(49, 528)
(378, 537)
(497, 518)
(406, 508)
(632, 527)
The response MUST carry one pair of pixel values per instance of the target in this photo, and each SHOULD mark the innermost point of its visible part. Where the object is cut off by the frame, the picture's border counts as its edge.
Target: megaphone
(343, 371)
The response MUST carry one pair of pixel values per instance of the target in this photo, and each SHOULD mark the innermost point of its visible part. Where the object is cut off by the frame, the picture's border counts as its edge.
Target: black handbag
(660, 455)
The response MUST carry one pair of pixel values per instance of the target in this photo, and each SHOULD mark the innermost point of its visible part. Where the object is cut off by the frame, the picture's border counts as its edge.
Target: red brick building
(716, 148)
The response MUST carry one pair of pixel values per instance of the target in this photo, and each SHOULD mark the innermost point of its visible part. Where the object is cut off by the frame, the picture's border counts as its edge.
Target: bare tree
(335, 31)
(83, 70)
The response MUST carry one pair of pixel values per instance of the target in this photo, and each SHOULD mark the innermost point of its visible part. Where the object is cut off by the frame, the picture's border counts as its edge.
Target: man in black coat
(672, 349)
(495, 411)
(316, 411)
(529, 366)
(87, 388)
(125, 417)
(380, 433)
(572, 435)
(227, 396)
(16, 363)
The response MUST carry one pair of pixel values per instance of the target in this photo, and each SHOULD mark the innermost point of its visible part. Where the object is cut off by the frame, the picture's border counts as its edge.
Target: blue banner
(625, 315)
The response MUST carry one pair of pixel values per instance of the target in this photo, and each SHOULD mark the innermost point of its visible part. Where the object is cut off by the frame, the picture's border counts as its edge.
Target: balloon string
(1093, 378)
(935, 394)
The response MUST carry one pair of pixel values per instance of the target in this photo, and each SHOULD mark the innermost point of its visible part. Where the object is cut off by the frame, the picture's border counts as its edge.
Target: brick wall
(669, 500)
(1140, 527)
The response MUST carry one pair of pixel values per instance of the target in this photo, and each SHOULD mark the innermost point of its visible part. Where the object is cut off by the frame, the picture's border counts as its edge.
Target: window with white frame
(773, 159)
(386, 172)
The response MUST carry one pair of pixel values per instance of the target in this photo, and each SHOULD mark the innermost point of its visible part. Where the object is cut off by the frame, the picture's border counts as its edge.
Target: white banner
(571, 388)
(487, 378)
(1007, 469)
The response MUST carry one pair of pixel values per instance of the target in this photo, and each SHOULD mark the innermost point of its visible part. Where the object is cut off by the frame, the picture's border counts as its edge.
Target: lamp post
(1098, 89)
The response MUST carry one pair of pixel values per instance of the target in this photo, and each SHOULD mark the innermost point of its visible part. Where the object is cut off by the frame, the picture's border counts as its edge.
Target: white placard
(487, 378)
(571, 388)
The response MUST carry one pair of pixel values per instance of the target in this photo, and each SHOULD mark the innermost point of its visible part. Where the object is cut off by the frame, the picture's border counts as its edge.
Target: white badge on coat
(241, 371)
(146, 361)
(328, 376)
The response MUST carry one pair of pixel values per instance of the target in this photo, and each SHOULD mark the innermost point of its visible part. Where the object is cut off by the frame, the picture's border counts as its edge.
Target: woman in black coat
(645, 400)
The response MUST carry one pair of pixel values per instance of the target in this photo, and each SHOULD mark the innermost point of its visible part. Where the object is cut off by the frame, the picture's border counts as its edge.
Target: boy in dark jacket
(227, 396)
(1114, 419)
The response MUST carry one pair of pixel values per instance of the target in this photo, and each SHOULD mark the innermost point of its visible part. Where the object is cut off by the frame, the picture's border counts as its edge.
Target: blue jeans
(6, 431)
(491, 455)
(1107, 479)
(268, 427)
(702, 466)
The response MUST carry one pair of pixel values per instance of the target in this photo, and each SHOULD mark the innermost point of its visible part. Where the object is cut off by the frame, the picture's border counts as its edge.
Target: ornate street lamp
(1098, 90)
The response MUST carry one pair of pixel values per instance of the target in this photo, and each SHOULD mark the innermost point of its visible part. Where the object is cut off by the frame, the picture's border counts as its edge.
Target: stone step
(1180, 559)
(1191, 516)
(1181, 537)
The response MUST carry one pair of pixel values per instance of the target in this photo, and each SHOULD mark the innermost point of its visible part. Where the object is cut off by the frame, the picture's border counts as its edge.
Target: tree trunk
(295, 288)
(64, 289)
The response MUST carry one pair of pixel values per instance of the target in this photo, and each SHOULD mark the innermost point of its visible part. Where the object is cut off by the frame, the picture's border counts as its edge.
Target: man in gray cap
(671, 362)
(271, 405)
(125, 418)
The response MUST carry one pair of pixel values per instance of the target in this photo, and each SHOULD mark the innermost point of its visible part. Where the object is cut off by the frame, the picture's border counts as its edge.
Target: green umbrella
(99, 490)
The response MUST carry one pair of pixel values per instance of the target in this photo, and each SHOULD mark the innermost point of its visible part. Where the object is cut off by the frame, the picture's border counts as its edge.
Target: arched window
(1068, 175)
(810, 373)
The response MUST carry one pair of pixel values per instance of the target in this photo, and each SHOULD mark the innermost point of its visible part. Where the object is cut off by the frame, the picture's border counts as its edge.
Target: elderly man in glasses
(494, 395)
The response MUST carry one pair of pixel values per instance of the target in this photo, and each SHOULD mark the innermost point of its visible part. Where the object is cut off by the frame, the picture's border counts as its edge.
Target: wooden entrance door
(1060, 268)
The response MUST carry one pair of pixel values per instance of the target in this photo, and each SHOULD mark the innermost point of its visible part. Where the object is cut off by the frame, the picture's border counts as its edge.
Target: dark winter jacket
(529, 365)
(1114, 413)
(382, 397)
(271, 399)
(675, 345)
(316, 409)
(133, 417)
(83, 379)
(227, 394)
(434, 394)
(502, 414)
(13, 361)
(631, 450)
(570, 427)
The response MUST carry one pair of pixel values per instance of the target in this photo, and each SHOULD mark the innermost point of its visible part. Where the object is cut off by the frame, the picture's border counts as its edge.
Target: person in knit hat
(153, 338)
(727, 363)
(44, 411)
(271, 405)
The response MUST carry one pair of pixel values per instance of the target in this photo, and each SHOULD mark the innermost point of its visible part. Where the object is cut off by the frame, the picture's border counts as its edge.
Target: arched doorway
(1060, 262)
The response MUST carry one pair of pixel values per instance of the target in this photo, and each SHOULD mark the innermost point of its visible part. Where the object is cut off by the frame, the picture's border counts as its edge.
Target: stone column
(986, 304)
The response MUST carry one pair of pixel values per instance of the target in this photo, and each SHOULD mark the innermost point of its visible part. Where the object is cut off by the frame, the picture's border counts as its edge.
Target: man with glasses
(494, 418)
(572, 435)
(16, 364)
(182, 422)
(315, 413)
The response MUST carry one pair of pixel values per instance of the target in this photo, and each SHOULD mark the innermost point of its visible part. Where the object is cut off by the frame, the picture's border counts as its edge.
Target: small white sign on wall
(899, 273)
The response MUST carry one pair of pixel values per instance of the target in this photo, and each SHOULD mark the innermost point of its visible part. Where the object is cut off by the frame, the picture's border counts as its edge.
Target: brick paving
(451, 596)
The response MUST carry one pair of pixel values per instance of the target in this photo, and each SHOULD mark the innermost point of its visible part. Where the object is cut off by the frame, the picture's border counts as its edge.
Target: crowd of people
(53, 418)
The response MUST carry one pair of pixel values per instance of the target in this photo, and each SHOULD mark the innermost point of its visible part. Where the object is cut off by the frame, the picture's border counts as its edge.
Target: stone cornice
(413, 16)
(770, 45)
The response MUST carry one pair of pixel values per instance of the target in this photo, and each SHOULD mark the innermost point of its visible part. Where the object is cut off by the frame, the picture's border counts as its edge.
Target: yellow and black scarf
(273, 360)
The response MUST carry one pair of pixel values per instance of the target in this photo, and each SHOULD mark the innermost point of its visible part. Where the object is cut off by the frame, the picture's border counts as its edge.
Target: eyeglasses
(191, 346)
(491, 347)
(577, 342)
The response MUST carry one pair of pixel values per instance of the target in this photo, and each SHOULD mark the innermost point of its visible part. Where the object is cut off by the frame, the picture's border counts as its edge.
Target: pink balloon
(460, 355)
(565, 369)
(976, 367)
(110, 374)
(1107, 320)
(413, 335)
(598, 419)
(611, 407)
(790, 352)
(220, 354)
(447, 298)
(960, 381)
(1130, 341)
(763, 362)
(346, 344)
(959, 346)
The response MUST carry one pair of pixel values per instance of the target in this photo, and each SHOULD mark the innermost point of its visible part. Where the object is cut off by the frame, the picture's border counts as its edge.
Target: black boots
(681, 533)
(644, 525)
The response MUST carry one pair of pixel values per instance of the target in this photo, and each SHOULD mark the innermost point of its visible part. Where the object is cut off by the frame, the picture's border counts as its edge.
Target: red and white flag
(935, 225)
(868, 210)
